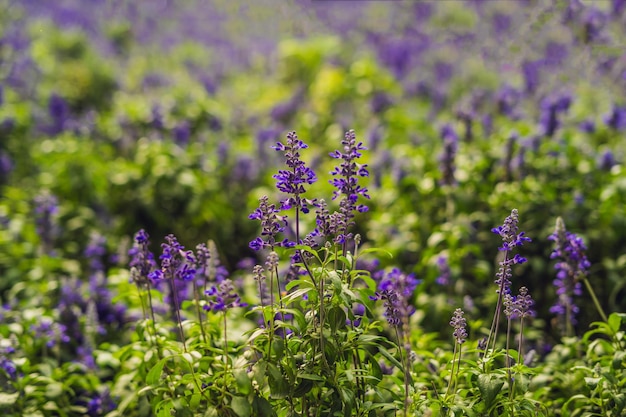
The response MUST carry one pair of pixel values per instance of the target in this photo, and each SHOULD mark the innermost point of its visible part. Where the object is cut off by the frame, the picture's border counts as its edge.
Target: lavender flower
(271, 225)
(459, 324)
(617, 118)
(95, 252)
(444, 271)
(50, 332)
(396, 290)
(346, 182)
(142, 262)
(6, 364)
(176, 263)
(223, 297)
(510, 237)
(59, 112)
(571, 268)
(450, 145)
(291, 181)
(46, 207)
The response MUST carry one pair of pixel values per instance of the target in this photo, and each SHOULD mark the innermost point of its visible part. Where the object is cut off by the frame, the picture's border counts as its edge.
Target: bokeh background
(161, 114)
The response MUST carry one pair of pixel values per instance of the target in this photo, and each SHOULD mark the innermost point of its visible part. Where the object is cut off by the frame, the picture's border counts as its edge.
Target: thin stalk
(406, 373)
(156, 337)
(493, 332)
(595, 299)
(198, 311)
(177, 312)
(452, 373)
(508, 358)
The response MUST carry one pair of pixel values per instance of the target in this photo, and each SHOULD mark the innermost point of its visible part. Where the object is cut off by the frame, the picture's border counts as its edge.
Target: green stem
(595, 300)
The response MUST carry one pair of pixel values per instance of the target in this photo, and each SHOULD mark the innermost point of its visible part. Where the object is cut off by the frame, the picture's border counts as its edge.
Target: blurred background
(121, 115)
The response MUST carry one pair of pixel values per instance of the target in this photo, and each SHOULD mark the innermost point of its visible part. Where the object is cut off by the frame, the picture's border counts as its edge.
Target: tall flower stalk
(572, 269)
(459, 324)
(142, 266)
(511, 238)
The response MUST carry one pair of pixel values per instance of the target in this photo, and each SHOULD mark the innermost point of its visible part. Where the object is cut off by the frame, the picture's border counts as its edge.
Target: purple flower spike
(510, 238)
(346, 182)
(223, 297)
(271, 225)
(573, 265)
(292, 180)
(459, 324)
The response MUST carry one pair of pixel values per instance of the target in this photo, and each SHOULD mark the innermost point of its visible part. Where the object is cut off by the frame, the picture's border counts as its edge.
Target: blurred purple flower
(571, 266)
(446, 159)
(530, 71)
(501, 23)
(223, 297)
(587, 126)
(142, 261)
(396, 290)
(182, 132)
(606, 161)
(46, 208)
(617, 118)
(445, 273)
(459, 324)
(59, 112)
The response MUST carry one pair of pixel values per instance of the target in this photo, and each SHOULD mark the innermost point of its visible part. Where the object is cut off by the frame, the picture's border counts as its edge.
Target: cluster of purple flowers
(510, 239)
(142, 261)
(572, 266)
(396, 289)
(450, 145)
(50, 332)
(291, 181)
(223, 297)
(6, 364)
(459, 324)
(46, 208)
(519, 306)
(271, 225)
(347, 173)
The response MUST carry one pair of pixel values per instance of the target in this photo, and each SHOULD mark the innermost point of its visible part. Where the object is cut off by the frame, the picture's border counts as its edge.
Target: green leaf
(336, 318)
(390, 358)
(154, 376)
(615, 322)
(311, 377)
(164, 408)
(278, 384)
(489, 387)
(262, 407)
(8, 399)
(303, 388)
(243, 381)
(241, 406)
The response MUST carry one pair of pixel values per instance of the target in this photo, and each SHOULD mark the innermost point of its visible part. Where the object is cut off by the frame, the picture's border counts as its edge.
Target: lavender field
(300, 208)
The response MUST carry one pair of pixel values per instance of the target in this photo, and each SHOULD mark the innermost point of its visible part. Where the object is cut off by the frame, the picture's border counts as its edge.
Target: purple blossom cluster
(346, 183)
(271, 225)
(396, 290)
(571, 267)
(50, 332)
(510, 239)
(519, 306)
(142, 261)
(6, 363)
(459, 324)
(46, 208)
(446, 160)
(291, 181)
(223, 297)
